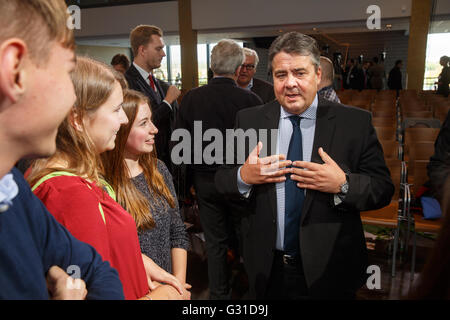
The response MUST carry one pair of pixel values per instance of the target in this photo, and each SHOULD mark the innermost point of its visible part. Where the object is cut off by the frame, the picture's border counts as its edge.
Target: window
(170, 70)
(438, 45)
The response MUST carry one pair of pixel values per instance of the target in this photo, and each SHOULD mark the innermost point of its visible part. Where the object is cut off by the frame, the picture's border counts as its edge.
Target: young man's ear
(13, 73)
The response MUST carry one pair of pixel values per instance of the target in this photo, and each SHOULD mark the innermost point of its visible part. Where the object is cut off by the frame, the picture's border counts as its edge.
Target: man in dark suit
(212, 108)
(148, 50)
(395, 77)
(302, 233)
(246, 78)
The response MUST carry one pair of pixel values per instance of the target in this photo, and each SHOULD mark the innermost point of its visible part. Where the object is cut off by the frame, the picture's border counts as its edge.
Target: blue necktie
(294, 196)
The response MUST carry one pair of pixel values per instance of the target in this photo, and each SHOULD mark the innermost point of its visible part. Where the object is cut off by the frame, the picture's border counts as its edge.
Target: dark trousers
(220, 219)
(287, 280)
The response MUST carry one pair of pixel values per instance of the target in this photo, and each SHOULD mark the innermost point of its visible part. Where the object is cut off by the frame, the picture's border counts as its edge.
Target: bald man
(326, 90)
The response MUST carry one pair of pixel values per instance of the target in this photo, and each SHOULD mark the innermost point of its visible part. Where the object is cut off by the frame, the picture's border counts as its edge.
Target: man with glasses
(246, 78)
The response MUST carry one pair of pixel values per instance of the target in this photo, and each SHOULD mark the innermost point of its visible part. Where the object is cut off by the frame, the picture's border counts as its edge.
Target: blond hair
(37, 23)
(142, 35)
(94, 83)
(117, 173)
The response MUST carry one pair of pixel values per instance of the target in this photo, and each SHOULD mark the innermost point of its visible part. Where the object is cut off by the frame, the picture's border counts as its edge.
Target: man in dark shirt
(211, 109)
(395, 77)
(439, 165)
(36, 93)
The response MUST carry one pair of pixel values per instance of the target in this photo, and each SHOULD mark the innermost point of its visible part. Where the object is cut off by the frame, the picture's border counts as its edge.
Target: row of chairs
(407, 152)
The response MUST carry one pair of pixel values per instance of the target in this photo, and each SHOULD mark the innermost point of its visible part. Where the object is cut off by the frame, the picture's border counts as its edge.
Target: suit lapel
(323, 135)
(143, 84)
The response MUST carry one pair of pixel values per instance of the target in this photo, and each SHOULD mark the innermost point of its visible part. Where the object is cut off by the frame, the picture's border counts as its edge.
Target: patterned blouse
(170, 231)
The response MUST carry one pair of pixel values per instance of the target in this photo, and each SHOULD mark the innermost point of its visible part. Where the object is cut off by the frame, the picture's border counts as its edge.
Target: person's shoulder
(69, 186)
(262, 83)
(251, 96)
(257, 110)
(162, 168)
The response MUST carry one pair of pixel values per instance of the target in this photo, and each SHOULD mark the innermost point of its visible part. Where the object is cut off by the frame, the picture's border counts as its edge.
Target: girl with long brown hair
(144, 187)
(70, 183)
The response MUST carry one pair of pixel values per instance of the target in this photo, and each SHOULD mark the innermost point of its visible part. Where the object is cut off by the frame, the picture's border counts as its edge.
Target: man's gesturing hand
(270, 169)
(327, 177)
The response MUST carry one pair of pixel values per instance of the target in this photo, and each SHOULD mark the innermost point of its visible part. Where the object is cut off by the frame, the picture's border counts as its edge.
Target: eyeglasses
(248, 66)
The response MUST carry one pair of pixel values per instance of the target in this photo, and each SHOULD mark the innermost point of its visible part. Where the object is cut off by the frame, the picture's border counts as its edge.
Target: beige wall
(101, 53)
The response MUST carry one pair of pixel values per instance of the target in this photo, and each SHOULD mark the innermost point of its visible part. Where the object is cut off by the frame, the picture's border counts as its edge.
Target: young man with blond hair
(36, 93)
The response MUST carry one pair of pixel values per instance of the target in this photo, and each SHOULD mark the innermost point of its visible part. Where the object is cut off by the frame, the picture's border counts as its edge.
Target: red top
(92, 216)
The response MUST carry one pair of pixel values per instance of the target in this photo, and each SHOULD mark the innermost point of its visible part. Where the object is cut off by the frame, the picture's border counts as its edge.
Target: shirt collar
(8, 191)
(143, 73)
(309, 113)
(326, 88)
(250, 84)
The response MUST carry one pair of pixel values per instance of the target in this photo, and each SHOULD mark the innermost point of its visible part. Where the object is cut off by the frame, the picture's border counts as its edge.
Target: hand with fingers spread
(271, 169)
(326, 177)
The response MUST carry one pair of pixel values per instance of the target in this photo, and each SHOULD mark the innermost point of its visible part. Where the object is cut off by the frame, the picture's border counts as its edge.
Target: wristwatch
(344, 187)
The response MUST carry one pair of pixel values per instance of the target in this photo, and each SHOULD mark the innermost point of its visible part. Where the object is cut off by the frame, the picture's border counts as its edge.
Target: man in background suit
(148, 50)
(302, 233)
(213, 107)
(246, 78)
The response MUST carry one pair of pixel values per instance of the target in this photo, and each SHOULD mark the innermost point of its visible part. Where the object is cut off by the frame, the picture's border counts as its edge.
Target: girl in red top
(69, 183)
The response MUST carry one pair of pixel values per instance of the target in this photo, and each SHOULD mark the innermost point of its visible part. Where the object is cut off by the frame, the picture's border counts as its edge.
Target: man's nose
(291, 81)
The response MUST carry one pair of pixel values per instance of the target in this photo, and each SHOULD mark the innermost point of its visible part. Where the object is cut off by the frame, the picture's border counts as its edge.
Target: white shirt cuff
(244, 188)
(168, 104)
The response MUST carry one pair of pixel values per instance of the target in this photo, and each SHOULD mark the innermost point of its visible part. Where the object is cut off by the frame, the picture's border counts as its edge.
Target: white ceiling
(442, 24)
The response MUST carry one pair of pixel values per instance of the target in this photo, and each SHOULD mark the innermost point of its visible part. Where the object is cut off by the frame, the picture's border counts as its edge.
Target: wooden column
(188, 44)
(417, 43)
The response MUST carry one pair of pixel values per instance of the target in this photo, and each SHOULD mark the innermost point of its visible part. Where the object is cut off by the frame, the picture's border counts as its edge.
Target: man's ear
(319, 74)
(141, 50)
(13, 54)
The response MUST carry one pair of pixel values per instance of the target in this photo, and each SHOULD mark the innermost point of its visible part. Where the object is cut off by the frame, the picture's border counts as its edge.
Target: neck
(327, 84)
(230, 76)
(242, 85)
(133, 165)
(7, 161)
(141, 63)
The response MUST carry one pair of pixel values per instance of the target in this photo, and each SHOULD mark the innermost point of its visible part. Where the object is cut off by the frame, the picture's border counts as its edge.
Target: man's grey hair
(295, 43)
(251, 52)
(327, 69)
(226, 57)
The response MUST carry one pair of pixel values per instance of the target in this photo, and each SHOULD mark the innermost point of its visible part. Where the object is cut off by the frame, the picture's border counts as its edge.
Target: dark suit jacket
(395, 79)
(216, 105)
(264, 90)
(162, 115)
(357, 78)
(332, 242)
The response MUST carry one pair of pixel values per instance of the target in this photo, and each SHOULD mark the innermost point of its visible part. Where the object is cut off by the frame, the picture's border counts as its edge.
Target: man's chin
(295, 107)
(243, 82)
